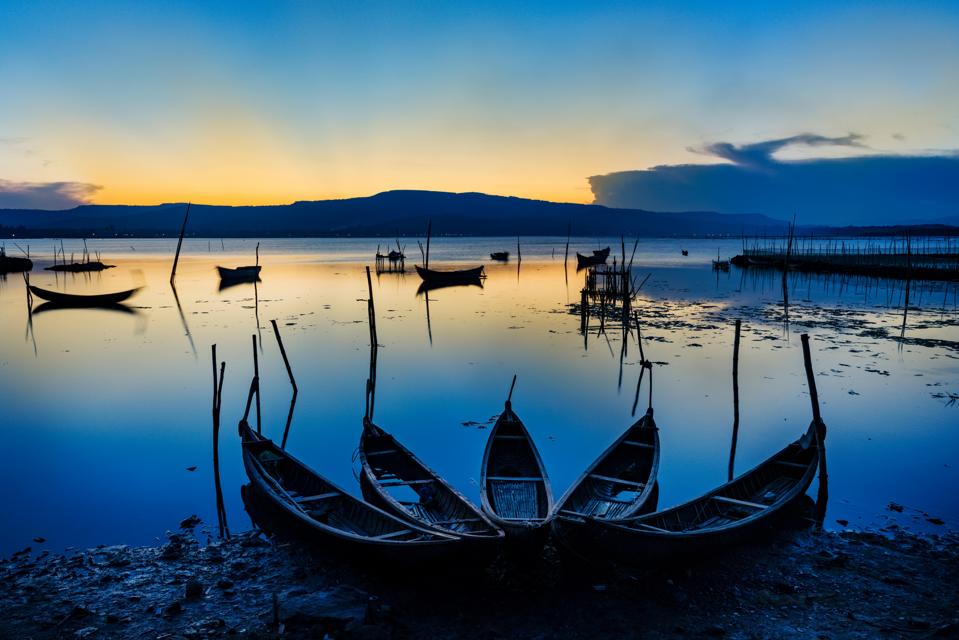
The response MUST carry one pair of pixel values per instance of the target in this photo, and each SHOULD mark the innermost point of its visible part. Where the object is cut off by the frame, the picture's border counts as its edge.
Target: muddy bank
(806, 585)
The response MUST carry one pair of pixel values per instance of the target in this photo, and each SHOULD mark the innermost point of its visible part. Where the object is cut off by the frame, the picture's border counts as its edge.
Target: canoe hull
(9, 264)
(77, 300)
(239, 273)
(431, 276)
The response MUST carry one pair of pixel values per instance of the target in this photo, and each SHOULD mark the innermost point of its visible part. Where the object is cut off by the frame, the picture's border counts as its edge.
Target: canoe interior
(408, 484)
(516, 485)
(621, 479)
(751, 496)
(301, 489)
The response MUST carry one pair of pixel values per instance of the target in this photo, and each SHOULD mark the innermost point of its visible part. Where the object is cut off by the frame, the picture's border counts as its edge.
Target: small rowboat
(621, 480)
(434, 277)
(737, 511)
(238, 274)
(429, 501)
(78, 300)
(290, 498)
(501, 256)
(514, 488)
(249, 273)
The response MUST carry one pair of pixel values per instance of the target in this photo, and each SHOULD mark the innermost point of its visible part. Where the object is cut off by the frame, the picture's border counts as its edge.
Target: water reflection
(103, 402)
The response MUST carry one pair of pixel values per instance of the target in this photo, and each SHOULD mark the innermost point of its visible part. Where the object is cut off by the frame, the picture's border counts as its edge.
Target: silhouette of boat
(621, 480)
(78, 300)
(685, 252)
(737, 511)
(514, 488)
(460, 276)
(501, 256)
(290, 498)
(720, 265)
(599, 257)
(12, 264)
(388, 464)
(247, 273)
(81, 267)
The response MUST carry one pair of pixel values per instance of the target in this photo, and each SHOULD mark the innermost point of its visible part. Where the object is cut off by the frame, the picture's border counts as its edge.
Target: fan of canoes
(410, 515)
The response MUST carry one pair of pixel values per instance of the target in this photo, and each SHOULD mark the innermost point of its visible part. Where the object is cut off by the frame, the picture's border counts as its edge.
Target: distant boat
(734, 512)
(685, 252)
(431, 501)
(78, 300)
(514, 488)
(242, 274)
(290, 498)
(501, 256)
(720, 265)
(81, 267)
(433, 277)
(10, 264)
(599, 257)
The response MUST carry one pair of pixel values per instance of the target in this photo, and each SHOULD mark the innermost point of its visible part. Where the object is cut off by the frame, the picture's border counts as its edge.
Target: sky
(272, 102)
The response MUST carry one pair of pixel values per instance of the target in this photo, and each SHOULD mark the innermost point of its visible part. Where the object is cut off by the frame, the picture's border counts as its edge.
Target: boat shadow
(235, 282)
(426, 287)
(54, 306)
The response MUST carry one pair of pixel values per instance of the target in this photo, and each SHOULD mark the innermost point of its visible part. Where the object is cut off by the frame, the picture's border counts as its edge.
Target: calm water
(103, 412)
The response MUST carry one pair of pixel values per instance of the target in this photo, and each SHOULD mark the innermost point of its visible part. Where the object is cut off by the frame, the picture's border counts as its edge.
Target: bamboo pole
(820, 431)
(289, 372)
(256, 376)
(732, 448)
(223, 527)
(179, 244)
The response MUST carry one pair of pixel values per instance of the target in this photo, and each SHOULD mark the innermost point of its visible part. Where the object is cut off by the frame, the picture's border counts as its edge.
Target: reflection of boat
(514, 488)
(433, 286)
(78, 300)
(620, 482)
(734, 512)
(247, 273)
(432, 502)
(459, 276)
(226, 283)
(502, 256)
(12, 264)
(599, 257)
(288, 497)
(53, 306)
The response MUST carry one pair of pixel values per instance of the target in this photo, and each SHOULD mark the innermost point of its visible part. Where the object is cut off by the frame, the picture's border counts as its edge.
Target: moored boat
(599, 256)
(735, 512)
(432, 276)
(291, 499)
(248, 273)
(14, 264)
(81, 300)
(620, 482)
(389, 470)
(514, 488)
(501, 256)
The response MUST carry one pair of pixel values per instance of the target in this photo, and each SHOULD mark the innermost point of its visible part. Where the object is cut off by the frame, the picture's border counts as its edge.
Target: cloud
(45, 195)
(874, 189)
(760, 154)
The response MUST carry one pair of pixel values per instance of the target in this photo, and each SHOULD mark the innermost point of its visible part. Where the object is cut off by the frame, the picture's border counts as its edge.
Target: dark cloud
(45, 195)
(876, 189)
(760, 154)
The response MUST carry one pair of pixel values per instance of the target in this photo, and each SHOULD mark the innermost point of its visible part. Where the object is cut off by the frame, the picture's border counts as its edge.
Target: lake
(105, 412)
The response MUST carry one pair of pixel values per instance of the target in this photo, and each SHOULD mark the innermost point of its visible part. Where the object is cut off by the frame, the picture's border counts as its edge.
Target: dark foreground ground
(806, 585)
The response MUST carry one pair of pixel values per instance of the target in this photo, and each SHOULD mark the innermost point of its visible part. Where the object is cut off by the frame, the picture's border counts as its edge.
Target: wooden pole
(289, 372)
(256, 376)
(509, 398)
(429, 233)
(179, 244)
(732, 448)
(222, 525)
(569, 232)
(820, 429)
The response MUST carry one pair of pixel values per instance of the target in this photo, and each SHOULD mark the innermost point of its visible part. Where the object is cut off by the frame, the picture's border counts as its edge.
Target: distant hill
(387, 214)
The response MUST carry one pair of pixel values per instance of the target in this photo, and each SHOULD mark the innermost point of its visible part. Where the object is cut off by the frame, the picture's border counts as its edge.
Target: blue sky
(274, 102)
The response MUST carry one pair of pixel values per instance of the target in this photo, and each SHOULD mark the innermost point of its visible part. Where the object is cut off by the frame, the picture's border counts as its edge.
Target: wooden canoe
(429, 501)
(289, 498)
(13, 264)
(502, 256)
(432, 276)
(248, 273)
(514, 489)
(78, 300)
(621, 480)
(735, 512)
(590, 261)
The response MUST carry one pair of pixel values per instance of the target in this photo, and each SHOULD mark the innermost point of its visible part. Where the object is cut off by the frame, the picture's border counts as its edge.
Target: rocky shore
(805, 585)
